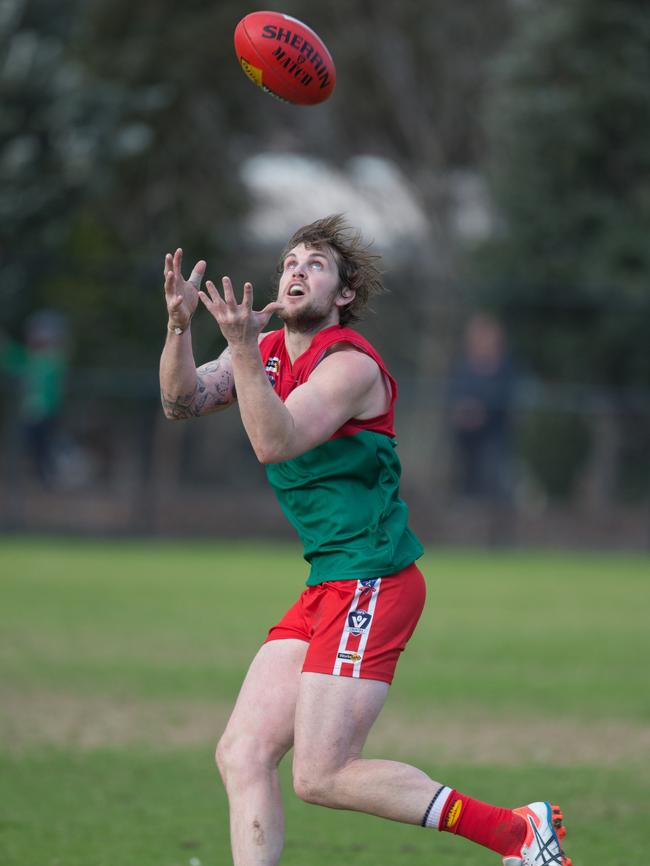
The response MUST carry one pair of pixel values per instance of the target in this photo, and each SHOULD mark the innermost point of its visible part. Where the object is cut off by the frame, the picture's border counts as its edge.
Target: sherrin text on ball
(285, 57)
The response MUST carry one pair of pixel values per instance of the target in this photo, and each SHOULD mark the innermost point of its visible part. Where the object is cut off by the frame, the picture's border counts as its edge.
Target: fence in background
(576, 470)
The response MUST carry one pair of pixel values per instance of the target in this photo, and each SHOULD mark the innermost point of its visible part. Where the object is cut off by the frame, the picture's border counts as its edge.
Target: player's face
(309, 287)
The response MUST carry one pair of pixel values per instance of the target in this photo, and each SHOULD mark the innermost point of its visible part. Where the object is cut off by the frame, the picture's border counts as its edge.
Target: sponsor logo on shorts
(358, 621)
(454, 814)
(350, 657)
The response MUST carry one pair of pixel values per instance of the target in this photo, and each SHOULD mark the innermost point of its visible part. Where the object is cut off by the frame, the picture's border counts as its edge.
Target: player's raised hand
(181, 295)
(239, 323)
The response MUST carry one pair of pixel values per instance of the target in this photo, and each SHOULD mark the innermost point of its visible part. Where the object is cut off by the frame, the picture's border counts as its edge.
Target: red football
(285, 57)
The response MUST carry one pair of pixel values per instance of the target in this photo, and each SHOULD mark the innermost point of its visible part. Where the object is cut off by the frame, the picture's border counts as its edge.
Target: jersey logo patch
(272, 369)
(358, 621)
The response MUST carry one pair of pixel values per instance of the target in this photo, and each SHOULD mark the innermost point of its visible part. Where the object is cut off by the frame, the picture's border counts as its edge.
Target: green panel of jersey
(343, 499)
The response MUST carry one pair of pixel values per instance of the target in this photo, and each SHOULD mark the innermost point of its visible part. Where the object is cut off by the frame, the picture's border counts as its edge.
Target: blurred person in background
(38, 367)
(316, 402)
(480, 396)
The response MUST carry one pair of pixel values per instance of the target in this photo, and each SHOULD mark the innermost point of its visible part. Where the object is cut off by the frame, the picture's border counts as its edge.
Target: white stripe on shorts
(374, 594)
(345, 634)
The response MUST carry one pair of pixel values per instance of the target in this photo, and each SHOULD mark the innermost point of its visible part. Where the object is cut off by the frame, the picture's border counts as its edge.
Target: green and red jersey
(342, 497)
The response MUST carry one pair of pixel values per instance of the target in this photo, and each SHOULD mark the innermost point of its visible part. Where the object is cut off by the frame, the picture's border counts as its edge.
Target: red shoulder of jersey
(285, 376)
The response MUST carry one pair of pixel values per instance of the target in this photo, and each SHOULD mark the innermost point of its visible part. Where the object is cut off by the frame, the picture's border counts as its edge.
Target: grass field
(527, 679)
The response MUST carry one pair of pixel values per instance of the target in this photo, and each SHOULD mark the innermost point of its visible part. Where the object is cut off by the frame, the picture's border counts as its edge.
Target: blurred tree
(109, 155)
(128, 124)
(570, 125)
(40, 167)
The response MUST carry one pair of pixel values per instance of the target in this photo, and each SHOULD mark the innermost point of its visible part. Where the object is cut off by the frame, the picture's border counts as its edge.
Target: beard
(308, 319)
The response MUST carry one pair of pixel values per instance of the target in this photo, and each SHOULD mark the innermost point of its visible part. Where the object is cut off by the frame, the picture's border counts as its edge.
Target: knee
(222, 755)
(238, 757)
(245, 757)
(313, 785)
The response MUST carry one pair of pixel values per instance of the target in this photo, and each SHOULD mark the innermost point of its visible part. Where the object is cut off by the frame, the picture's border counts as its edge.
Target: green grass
(167, 630)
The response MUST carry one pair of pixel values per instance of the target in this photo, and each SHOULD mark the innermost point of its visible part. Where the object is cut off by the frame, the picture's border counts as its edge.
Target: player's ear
(346, 296)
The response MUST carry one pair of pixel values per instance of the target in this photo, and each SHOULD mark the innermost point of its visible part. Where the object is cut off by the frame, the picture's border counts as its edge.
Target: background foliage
(125, 126)
(570, 125)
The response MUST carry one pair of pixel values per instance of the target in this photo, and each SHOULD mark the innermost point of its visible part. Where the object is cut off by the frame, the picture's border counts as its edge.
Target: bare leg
(333, 718)
(258, 735)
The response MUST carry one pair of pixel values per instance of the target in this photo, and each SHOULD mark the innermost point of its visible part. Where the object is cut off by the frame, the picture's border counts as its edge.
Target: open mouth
(295, 291)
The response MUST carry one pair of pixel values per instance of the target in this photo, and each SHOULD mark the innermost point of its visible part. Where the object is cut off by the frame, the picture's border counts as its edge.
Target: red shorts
(356, 628)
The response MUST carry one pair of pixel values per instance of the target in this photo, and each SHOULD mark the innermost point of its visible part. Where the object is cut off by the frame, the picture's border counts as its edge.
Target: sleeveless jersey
(342, 497)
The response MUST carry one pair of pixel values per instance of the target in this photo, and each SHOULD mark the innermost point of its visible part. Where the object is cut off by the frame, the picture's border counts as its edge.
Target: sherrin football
(285, 57)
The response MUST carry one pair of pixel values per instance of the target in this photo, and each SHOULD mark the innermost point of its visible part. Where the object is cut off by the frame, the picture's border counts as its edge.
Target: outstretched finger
(213, 302)
(197, 274)
(170, 283)
(215, 297)
(169, 264)
(178, 260)
(271, 308)
(264, 315)
(247, 299)
(228, 293)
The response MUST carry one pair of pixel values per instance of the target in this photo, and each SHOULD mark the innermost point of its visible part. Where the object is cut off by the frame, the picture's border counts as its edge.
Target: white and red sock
(498, 829)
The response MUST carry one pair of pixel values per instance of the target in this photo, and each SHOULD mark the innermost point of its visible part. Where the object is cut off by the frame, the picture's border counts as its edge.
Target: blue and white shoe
(542, 843)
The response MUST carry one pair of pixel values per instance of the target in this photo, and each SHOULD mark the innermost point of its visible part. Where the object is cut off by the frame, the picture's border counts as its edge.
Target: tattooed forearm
(214, 390)
(176, 408)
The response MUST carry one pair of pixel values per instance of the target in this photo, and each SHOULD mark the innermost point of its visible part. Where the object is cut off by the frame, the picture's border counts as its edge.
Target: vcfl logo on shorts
(358, 621)
(356, 627)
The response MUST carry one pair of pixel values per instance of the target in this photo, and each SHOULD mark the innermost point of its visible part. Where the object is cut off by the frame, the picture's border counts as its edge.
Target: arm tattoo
(214, 388)
(179, 407)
